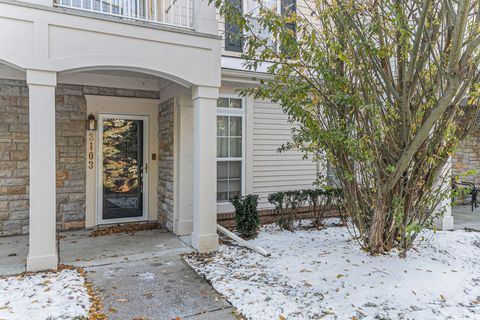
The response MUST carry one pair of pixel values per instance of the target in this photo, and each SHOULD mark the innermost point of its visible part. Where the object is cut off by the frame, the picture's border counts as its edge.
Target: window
(230, 145)
(332, 177)
(233, 36)
(253, 10)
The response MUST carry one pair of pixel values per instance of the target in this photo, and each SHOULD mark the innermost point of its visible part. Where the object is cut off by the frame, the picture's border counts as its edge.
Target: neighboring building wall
(274, 171)
(467, 158)
(70, 147)
(165, 163)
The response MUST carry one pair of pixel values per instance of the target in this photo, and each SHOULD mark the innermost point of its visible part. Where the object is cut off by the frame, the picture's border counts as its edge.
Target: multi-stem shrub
(246, 215)
(382, 90)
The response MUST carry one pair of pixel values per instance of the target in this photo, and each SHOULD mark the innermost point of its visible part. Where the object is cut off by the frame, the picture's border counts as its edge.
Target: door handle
(146, 167)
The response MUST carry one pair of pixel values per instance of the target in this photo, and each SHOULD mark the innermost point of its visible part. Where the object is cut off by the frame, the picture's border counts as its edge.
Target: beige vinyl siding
(273, 171)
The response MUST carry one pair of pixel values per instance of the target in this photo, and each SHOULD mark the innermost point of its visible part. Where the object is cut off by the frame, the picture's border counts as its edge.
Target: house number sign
(91, 149)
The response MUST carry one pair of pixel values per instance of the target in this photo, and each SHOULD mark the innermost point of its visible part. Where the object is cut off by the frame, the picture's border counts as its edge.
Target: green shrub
(316, 199)
(337, 200)
(278, 200)
(286, 207)
(287, 204)
(246, 215)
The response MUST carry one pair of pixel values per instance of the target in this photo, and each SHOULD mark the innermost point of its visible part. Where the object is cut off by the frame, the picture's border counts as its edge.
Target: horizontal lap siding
(273, 171)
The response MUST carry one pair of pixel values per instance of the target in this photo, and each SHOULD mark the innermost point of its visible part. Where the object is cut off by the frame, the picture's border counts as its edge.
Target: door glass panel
(122, 168)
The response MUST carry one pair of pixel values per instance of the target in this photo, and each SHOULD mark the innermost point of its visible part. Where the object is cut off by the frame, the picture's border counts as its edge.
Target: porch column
(204, 236)
(42, 252)
(447, 220)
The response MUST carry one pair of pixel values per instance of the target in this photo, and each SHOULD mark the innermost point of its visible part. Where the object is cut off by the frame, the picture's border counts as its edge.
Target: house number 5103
(91, 140)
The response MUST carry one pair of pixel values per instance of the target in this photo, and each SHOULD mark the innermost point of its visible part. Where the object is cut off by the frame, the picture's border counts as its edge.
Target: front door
(123, 168)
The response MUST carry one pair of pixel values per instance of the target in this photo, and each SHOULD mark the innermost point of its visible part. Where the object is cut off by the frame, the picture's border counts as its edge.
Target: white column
(204, 236)
(42, 253)
(447, 220)
(183, 141)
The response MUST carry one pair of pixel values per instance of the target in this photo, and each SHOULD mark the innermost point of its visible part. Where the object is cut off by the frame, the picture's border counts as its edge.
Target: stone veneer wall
(165, 163)
(71, 113)
(467, 158)
(13, 157)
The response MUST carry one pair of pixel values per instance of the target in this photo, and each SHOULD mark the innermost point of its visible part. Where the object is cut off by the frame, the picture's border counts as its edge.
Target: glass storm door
(123, 168)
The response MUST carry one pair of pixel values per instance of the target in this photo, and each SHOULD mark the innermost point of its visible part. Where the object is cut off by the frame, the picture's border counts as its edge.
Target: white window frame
(279, 12)
(279, 6)
(233, 112)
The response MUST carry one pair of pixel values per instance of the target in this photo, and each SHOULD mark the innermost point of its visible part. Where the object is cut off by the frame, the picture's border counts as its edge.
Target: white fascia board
(237, 63)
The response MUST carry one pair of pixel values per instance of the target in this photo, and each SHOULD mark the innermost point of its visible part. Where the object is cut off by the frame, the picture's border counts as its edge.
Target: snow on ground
(315, 274)
(59, 295)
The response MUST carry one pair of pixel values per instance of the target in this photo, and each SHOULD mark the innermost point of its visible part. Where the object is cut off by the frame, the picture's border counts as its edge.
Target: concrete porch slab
(79, 249)
(13, 254)
(137, 276)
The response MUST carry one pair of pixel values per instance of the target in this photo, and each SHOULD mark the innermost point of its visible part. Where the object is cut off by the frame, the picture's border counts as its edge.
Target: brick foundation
(267, 216)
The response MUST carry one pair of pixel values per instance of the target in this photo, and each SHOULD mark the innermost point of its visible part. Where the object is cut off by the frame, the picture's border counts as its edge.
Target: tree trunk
(377, 229)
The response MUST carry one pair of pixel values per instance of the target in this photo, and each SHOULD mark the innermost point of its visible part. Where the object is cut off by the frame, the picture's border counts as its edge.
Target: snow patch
(41, 296)
(324, 274)
(146, 276)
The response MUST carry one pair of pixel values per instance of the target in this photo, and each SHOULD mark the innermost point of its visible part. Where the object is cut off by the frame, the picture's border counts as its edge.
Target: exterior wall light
(91, 122)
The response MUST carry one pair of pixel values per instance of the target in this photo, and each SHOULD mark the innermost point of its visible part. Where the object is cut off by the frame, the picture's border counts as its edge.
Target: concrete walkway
(140, 276)
(464, 217)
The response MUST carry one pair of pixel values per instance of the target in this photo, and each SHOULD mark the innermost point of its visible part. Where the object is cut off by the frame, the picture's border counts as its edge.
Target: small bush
(337, 201)
(278, 200)
(246, 215)
(318, 201)
(286, 207)
(287, 204)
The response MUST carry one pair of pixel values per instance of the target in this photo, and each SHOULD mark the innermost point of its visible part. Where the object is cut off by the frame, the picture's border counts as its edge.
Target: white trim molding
(122, 106)
(225, 206)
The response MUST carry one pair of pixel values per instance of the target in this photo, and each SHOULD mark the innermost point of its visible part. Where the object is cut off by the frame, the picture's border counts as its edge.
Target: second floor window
(233, 34)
